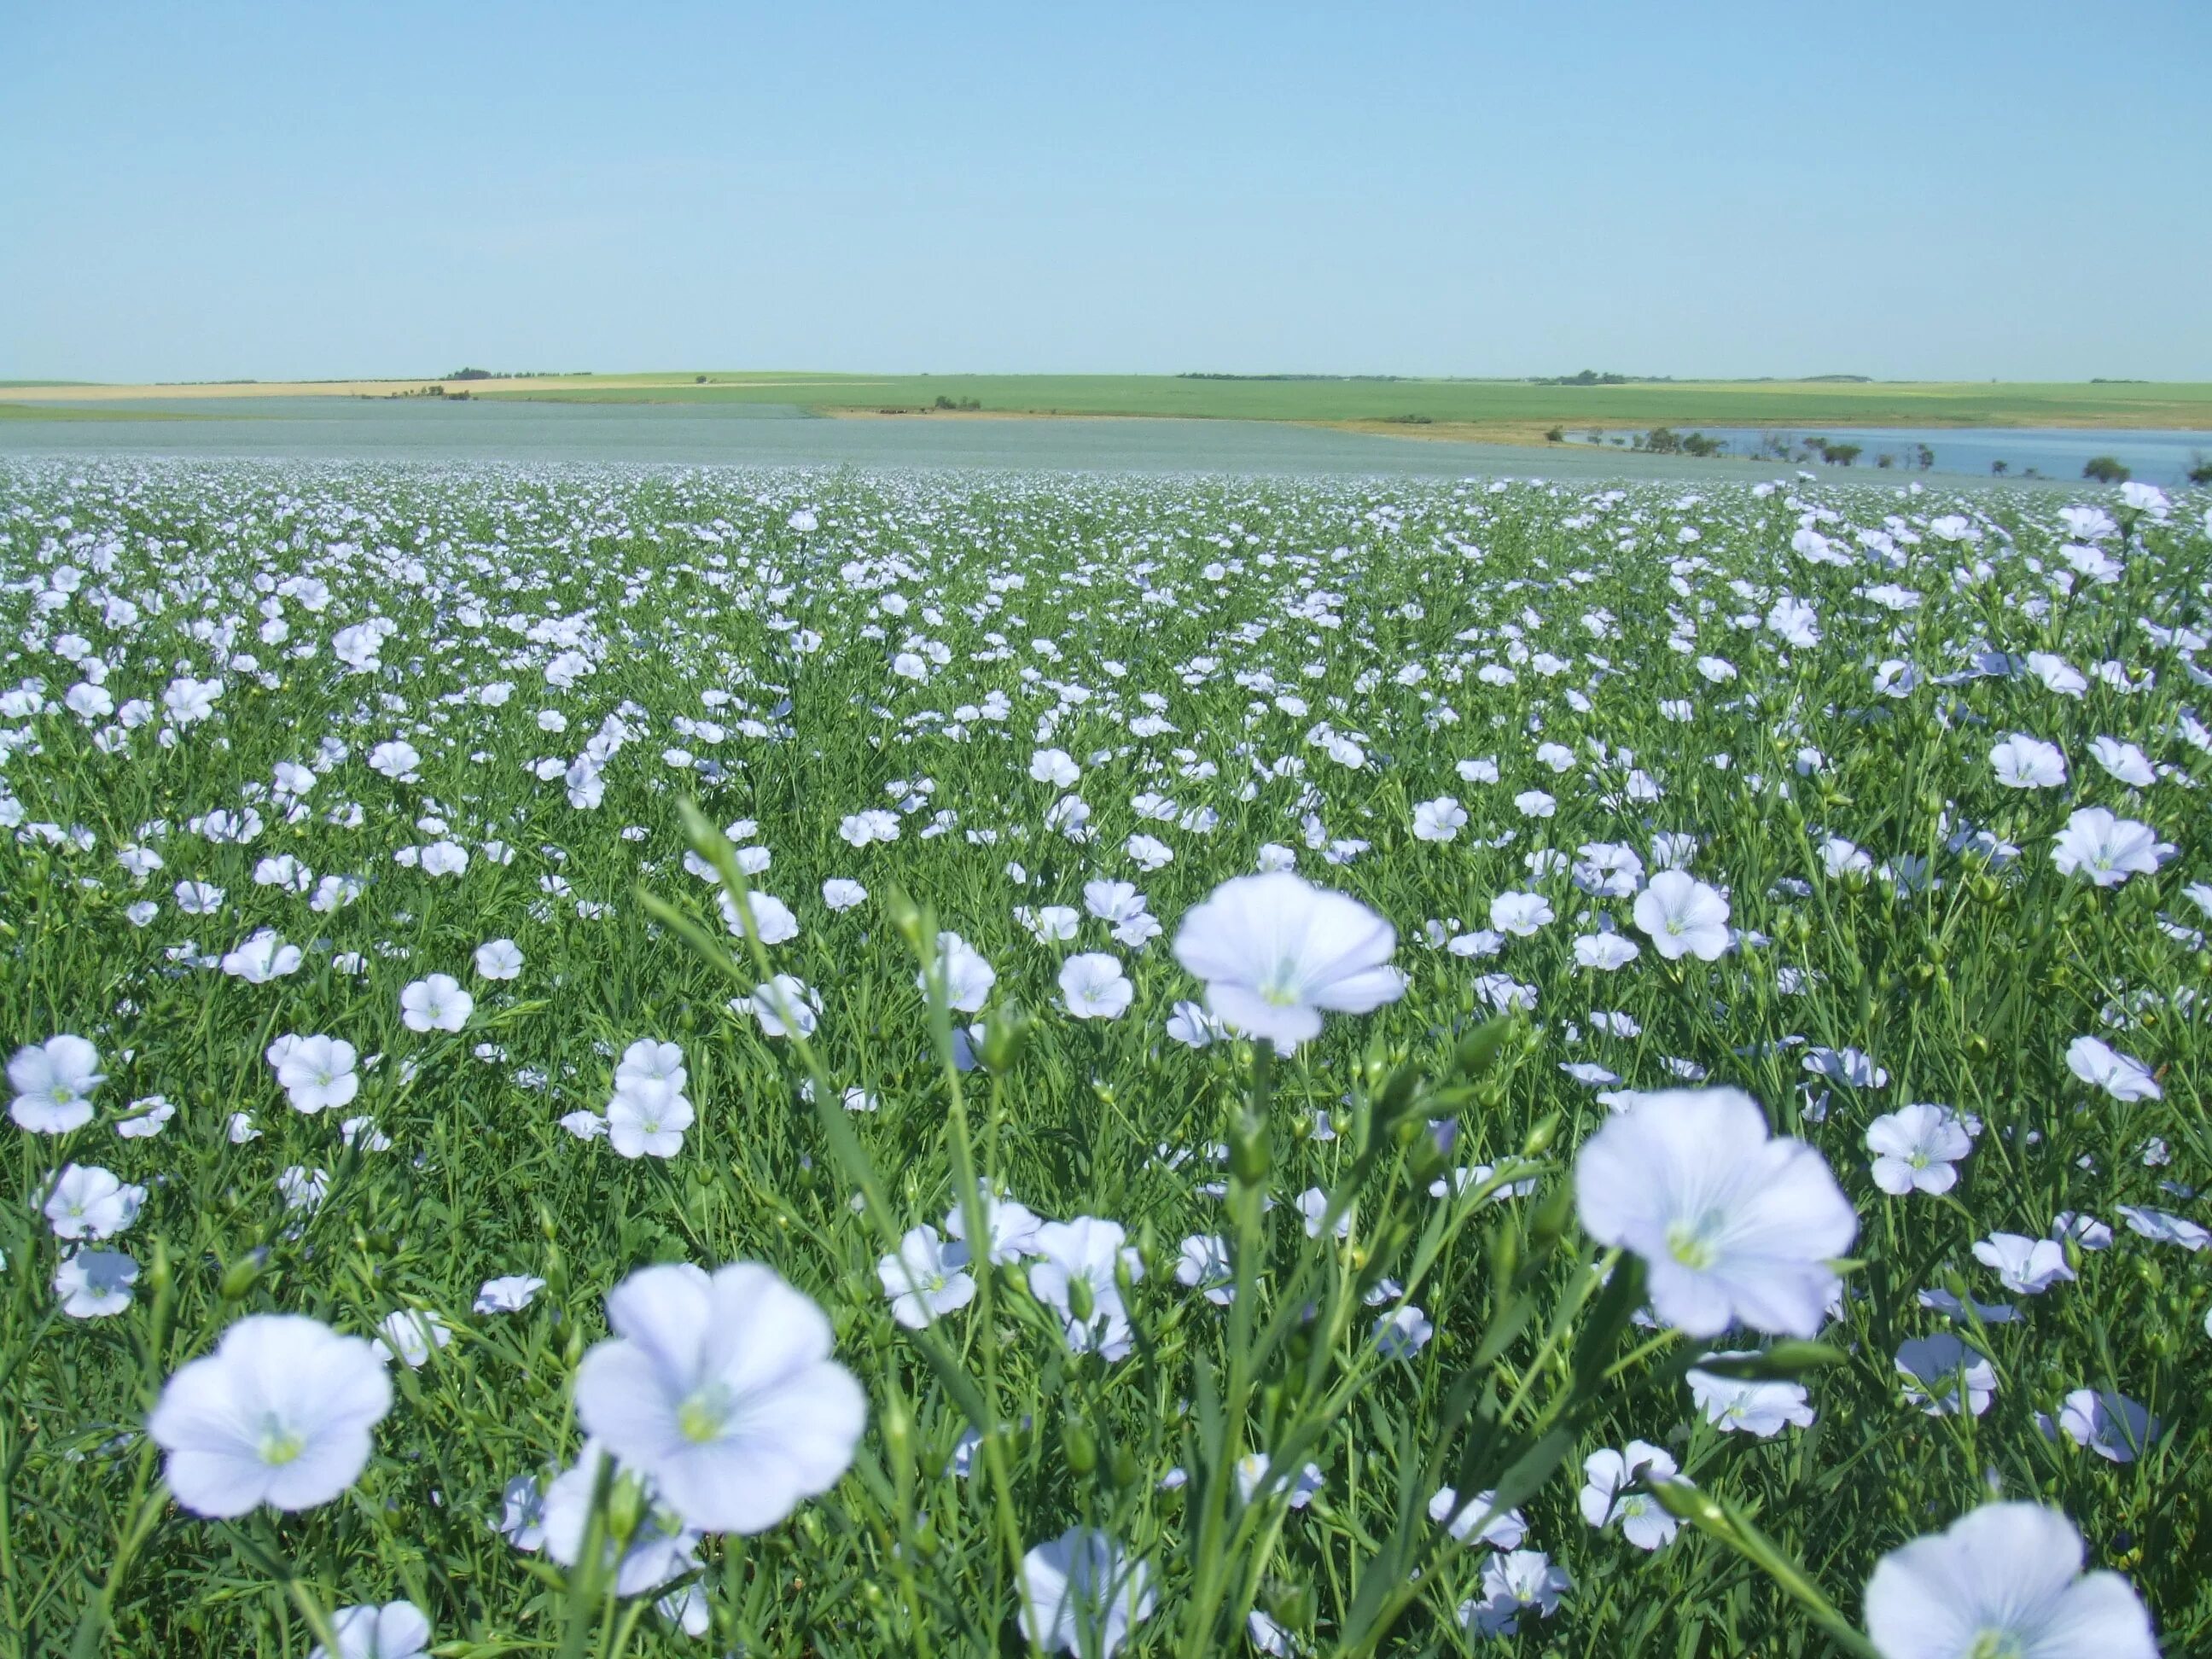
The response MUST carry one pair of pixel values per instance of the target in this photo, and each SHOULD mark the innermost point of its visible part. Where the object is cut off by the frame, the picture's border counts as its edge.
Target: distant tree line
(1773, 445)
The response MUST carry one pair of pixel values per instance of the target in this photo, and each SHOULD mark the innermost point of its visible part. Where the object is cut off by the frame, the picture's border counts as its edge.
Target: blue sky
(1945, 188)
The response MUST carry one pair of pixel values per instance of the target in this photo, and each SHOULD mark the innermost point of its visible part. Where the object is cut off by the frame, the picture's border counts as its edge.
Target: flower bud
(625, 1507)
(241, 1275)
(906, 917)
(1005, 1034)
(1249, 1154)
(1080, 1447)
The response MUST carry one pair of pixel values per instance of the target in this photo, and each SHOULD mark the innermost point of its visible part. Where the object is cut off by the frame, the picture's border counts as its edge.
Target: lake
(2157, 458)
(347, 428)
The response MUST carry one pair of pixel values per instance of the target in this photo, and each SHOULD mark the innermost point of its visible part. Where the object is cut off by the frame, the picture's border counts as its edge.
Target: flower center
(1996, 1644)
(1691, 1244)
(703, 1416)
(281, 1444)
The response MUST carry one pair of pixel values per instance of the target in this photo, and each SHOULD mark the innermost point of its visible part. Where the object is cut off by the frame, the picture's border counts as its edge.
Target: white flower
(198, 898)
(648, 1060)
(316, 1072)
(435, 1003)
(2124, 762)
(1848, 1067)
(1512, 1585)
(1082, 1594)
(53, 1082)
(1189, 1025)
(1255, 1477)
(840, 894)
(265, 956)
(1012, 1228)
(1055, 767)
(2104, 848)
(1268, 1637)
(1534, 804)
(1519, 914)
(87, 1201)
(499, 958)
(1916, 1148)
(2162, 1227)
(1438, 820)
(926, 1277)
(398, 1630)
(95, 1283)
(1605, 952)
(1148, 851)
(1794, 621)
(511, 1294)
(1094, 987)
(2115, 1427)
(1076, 1279)
(144, 1118)
(1733, 1226)
(302, 1187)
(661, 1549)
(410, 1336)
(2121, 1076)
(1503, 1531)
(1403, 1332)
(2027, 1267)
(1939, 1369)
(280, 1414)
(968, 977)
(2026, 762)
(1760, 1407)
(1683, 916)
(785, 1007)
(445, 858)
(2004, 1580)
(1275, 951)
(395, 760)
(771, 917)
(1608, 1496)
(647, 1117)
(1203, 1265)
(722, 1391)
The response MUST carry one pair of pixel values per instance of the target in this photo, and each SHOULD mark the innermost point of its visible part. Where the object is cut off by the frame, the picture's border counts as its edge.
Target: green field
(1501, 407)
(533, 918)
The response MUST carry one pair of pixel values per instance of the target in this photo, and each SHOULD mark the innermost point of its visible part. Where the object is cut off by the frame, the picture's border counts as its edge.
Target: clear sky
(1939, 189)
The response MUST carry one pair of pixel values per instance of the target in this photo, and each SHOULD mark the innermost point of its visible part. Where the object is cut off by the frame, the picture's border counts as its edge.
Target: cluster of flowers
(1707, 769)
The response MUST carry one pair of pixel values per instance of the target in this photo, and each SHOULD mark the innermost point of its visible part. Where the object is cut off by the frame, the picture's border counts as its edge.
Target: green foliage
(1965, 990)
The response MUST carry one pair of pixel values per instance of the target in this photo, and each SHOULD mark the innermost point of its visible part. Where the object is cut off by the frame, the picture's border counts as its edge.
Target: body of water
(2160, 458)
(343, 429)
